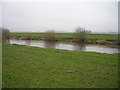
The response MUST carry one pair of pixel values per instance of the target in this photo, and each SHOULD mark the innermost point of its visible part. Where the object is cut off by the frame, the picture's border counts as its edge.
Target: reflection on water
(28, 42)
(79, 47)
(67, 46)
(48, 44)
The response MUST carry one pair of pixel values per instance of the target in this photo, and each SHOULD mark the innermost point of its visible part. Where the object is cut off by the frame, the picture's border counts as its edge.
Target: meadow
(91, 36)
(33, 67)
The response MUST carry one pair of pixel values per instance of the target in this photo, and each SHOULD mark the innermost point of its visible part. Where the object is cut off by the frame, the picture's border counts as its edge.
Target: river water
(67, 46)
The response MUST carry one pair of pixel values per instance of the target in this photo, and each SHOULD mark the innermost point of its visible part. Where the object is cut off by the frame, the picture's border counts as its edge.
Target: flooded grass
(33, 67)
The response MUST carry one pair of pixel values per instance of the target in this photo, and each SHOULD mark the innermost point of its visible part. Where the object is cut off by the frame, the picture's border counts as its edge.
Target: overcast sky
(60, 16)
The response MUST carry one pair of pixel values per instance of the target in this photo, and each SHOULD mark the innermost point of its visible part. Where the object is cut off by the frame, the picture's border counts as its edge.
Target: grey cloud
(96, 16)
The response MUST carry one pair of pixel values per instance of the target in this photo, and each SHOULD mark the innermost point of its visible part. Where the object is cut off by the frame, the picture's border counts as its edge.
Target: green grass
(33, 67)
(70, 35)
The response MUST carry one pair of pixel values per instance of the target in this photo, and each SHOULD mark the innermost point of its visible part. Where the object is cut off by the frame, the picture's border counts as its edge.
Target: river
(67, 46)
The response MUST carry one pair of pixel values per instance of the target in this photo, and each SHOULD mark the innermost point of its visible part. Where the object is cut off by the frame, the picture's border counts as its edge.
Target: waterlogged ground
(33, 67)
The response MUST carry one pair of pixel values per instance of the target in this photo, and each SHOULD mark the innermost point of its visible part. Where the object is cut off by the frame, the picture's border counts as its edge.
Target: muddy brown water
(67, 46)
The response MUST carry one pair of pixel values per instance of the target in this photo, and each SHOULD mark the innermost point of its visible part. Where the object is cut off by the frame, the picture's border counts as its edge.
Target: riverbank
(33, 67)
(68, 36)
(111, 39)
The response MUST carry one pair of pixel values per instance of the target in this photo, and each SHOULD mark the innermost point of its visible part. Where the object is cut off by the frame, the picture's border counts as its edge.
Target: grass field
(70, 35)
(33, 67)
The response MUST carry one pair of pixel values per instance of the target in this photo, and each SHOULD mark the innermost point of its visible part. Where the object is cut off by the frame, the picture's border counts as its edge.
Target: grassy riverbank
(68, 35)
(33, 67)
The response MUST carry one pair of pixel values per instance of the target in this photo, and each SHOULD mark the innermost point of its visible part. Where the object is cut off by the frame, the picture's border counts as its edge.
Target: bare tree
(80, 34)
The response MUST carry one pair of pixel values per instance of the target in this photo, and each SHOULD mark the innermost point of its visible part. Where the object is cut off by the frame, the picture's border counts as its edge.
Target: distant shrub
(50, 35)
(0, 35)
(80, 34)
(4, 35)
